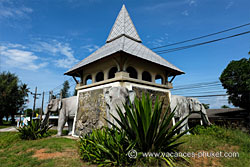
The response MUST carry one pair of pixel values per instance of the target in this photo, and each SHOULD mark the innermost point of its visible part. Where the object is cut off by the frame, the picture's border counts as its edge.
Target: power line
(197, 87)
(204, 36)
(58, 92)
(209, 95)
(59, 86)
(204, 92)
(199, 44)
(196, 84)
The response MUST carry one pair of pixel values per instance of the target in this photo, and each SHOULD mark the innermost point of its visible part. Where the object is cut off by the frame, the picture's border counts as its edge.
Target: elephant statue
(67, 108)
(116, 97)
(186, 105)
(196, 106)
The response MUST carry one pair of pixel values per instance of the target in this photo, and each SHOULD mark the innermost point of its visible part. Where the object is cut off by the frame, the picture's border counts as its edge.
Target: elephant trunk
(46, 118)
(204, 116)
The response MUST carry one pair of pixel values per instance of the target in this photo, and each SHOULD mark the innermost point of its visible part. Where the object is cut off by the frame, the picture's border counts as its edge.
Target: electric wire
(199, 44)
(204, 36)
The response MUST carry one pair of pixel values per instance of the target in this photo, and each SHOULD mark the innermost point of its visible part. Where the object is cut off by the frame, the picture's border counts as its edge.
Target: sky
(41, 39)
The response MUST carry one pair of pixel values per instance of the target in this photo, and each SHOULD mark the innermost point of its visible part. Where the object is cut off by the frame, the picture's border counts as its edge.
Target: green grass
(15, 152)
(215, 139)
(4, 126)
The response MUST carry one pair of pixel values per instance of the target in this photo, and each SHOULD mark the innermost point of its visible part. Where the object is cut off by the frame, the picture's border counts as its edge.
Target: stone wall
(91, 111)
(162, 96)
(92, 108)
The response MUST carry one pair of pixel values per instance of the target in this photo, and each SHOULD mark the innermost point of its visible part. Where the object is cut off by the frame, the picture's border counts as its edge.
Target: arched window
(112, 72)
(99, 77)
(158, 79)
(132, 72)
(88, 80)
(146, 76)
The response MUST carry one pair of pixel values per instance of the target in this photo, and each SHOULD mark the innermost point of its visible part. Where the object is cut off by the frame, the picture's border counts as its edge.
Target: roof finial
(123, 26)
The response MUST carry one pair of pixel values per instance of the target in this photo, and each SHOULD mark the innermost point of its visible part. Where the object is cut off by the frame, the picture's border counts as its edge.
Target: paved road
(9, 129)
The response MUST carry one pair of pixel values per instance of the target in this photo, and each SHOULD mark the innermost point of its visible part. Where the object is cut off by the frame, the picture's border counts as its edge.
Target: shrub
(221, 133)
(34, 131)
(105, 146)
(150, 128)
(212, 130)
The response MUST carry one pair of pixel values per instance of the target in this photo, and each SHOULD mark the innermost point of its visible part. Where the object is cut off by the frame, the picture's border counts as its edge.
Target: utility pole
(34, 104)
(41, 111)
(50, 95)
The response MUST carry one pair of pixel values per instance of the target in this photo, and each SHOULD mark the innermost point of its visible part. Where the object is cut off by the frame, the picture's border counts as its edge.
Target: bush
(105, 147)
(150, 128)
(212, 130)
(34, 131)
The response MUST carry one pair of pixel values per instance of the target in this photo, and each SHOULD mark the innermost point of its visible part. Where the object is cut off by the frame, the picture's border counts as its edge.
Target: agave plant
(150, 128)
(106, 147)
(34, 130)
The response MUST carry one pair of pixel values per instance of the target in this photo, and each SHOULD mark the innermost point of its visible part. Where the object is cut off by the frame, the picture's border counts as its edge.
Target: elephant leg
(70, 126)
(185, 123)
(205, 119)
(173, 120)
(61, 122)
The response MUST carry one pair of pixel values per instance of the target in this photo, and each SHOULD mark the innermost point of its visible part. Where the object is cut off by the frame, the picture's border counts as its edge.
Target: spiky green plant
(34, 130)
(141, 128)
(106, 147)
(150, 128)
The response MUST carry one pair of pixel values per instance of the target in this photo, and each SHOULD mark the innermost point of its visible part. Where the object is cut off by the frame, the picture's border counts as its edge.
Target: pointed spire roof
(123, 37)
(123, 26)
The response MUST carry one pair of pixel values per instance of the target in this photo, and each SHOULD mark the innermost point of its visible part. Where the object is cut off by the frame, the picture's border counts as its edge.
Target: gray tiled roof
(123, 37)
(123, 26)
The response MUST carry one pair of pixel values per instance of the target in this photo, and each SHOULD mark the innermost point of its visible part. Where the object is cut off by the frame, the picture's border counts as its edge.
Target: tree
(28, 112)
(225, 106)
(13, 95)
(23, 91)
(236, 79)
(65, 89)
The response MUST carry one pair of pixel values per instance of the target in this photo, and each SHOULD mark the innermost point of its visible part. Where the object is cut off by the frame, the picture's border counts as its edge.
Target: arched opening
(112, 72)
(146, 76)
(132, 72)
(158, 79)
(99, 76)
(88, 80)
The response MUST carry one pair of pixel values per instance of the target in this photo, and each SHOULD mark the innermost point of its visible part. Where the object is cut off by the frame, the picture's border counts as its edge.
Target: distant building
(229, 117)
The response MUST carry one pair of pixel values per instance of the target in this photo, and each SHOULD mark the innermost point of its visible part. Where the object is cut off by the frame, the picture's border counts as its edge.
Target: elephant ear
(132, 96)
(107, 97)
(60, 104)
(190, 103)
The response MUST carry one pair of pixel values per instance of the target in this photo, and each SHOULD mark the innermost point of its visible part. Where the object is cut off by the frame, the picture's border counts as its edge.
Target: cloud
(9, 10)
(217, 102)
(59, 54)
(169, 5)
(191, 2)
(56, 49)
(20, 58)
(90, 47)
(164, 5)
(230, 4)
(185, 13)
(163, 40)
